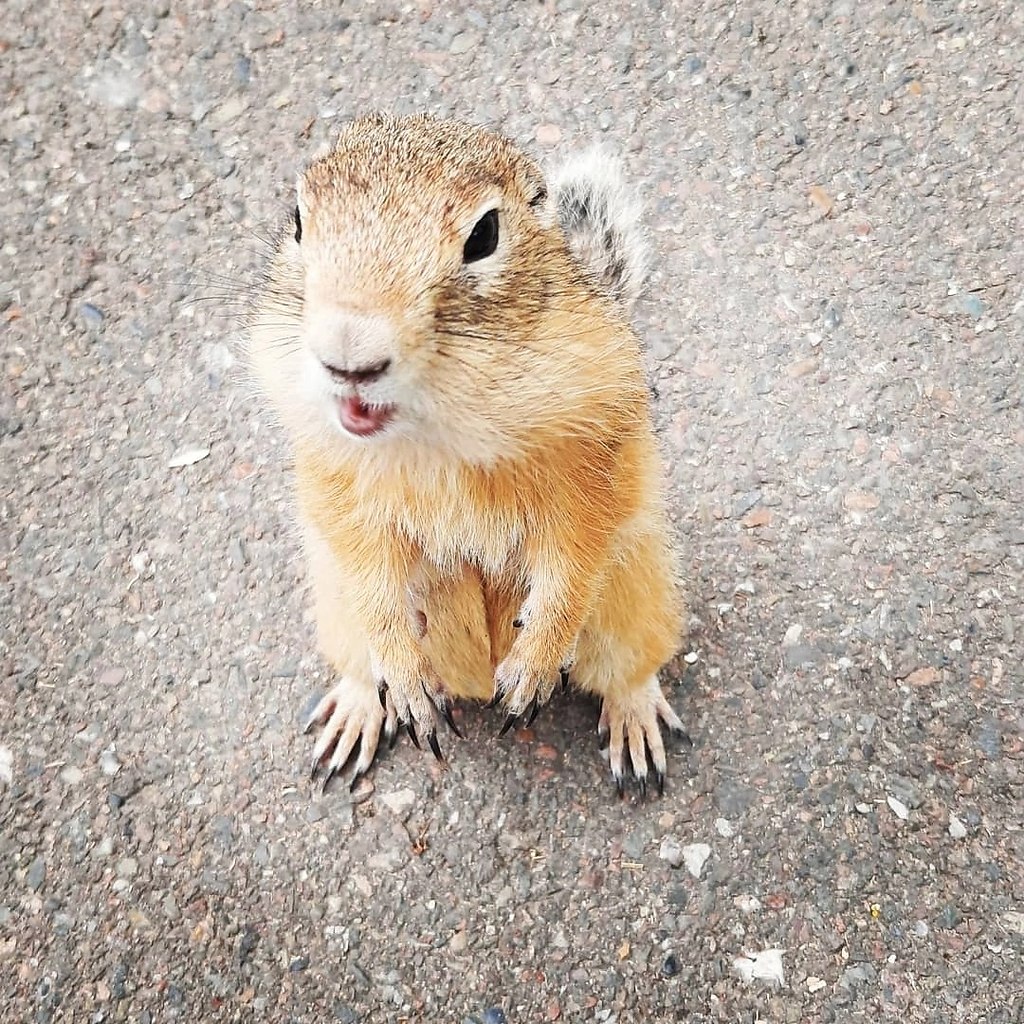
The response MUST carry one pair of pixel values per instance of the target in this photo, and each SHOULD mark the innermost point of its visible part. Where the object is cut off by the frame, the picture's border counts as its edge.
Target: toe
(324, 707)
(367, 752)
(616, 751)
(638, 753)
(391, 724)
(603, 728)
(329, 735)
(656, 751)
(668, 716)
(347, 743)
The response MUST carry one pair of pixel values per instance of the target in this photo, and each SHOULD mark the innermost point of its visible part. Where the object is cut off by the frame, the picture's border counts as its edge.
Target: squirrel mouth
(361, 419)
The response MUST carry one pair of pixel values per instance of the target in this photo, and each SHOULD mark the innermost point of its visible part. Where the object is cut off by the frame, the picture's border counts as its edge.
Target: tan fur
(519, 474)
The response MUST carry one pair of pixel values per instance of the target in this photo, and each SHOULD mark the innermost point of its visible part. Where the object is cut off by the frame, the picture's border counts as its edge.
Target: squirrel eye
(540, 198)
(483, 239)
(298, 225)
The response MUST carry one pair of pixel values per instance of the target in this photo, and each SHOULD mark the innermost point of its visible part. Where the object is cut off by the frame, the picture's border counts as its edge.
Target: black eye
(540, 198)
(298, 225)
(483, 239)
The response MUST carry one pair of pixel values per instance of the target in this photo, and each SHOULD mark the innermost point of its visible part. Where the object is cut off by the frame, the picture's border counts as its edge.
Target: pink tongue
(362, 420)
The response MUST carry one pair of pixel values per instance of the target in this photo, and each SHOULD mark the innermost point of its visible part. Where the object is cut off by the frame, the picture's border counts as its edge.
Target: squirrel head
(423, 295)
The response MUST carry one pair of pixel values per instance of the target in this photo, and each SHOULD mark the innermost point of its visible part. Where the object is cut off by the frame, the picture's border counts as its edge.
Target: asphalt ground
(834, 326)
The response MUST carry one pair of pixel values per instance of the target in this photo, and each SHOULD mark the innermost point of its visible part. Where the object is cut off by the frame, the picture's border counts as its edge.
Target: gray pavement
(835, 324)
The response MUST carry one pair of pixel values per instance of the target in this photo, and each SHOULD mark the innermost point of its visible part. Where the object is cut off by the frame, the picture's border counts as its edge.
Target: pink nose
(360, 375)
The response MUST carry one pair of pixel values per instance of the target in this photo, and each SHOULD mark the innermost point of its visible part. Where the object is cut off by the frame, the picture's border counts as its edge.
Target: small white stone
(956, 645)
(920, 929)
(747, 904)
(695, 856)
(793, 635)
(957, 829)
(814, 984)
(671, 850)
(725, 828)
(104, 848)
(898, 808)
(1014, 921)
(127, 867)
(863, 808)
(188, 456)
(766, 965)
(109, 763)
(690, 657)
(400, 802)
(72, 775)
(116, 88)
(6, 766)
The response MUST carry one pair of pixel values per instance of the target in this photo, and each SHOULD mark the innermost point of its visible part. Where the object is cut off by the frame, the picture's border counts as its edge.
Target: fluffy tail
(600, 216)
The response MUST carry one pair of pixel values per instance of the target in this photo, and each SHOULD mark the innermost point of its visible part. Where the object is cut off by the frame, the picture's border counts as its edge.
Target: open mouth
(361, 419)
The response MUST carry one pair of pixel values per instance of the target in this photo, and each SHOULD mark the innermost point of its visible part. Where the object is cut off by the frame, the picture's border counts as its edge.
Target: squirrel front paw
(417, 696)
(524, 682)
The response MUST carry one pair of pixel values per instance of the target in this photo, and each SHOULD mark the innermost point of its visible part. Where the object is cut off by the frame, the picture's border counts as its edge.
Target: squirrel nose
(360, 375)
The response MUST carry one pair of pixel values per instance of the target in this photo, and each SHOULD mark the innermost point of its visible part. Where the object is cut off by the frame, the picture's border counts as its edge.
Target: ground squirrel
(448, 344)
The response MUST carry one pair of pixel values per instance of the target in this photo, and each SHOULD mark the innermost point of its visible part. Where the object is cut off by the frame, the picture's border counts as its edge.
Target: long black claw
(382, 690)
(603, 736)
(331, 772)
(355, 778)
(435, 747)
(314, 768)
(620, 785)
(659, 781)
(642, 786)
(411, 729)
(495, 700)
(510, 720)
(393, 738)
(309, 725)
(446, 714)
(532, 712)
(564, 673)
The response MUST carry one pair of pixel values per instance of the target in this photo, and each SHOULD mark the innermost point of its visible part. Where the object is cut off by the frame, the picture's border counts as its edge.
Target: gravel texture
(834, 326)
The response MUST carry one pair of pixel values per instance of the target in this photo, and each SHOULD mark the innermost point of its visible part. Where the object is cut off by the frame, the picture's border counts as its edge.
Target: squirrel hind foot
(629, 735)
(352, 721)
(600, 216)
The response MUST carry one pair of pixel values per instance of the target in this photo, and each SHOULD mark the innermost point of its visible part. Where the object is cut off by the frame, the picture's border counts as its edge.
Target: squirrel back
(600, 217)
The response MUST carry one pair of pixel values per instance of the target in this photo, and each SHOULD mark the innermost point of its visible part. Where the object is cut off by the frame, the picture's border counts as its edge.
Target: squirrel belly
(447, 342)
